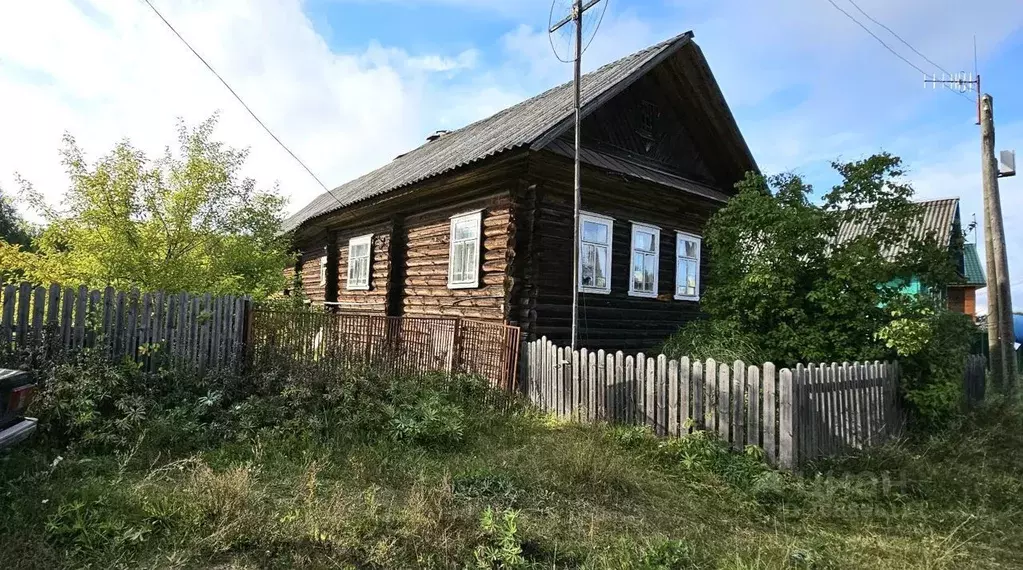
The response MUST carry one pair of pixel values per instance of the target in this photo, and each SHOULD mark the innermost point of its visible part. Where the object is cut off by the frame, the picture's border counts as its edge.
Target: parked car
(16, 391)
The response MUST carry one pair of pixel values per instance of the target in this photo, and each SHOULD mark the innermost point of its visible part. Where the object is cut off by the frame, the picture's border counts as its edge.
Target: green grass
(518, 488)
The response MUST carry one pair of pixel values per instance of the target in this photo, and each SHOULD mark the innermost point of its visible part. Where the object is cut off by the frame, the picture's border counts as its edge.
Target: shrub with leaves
(932, 344)
(428, 421)
(784, 277)
(501, 546)
(721, 340)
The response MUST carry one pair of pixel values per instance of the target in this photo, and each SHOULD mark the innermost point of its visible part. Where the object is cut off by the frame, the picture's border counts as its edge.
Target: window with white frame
(687, 267)
(595, 253)
(645, 249)
(360, 251)
(323, 270)
(464, 257)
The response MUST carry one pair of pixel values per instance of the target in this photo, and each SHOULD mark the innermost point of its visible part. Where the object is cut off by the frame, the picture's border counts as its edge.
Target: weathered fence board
(42, 323)
(974, 379)
(794, 415)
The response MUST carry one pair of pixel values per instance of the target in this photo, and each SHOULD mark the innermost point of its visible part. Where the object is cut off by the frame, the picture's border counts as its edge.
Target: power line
(898, 37)
(888, 47)
(238, 97)
(916, 51)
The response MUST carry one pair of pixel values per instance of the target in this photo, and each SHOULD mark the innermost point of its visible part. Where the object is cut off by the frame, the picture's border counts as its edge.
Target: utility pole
(1001, 337)
(578, 9)
(1000, 328)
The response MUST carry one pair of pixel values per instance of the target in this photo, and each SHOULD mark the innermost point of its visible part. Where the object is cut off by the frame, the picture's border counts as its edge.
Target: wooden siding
(309, 266)
(617, 129)
(416, 222)
(375, 299)
(963, 300)
(428, 238)
(615, 320)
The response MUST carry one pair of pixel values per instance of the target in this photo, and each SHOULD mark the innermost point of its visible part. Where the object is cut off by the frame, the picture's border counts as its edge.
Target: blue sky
(349, 84)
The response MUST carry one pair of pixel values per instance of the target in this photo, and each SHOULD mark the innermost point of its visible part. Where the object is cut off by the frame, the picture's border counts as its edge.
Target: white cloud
(116, 71)
(807, 84)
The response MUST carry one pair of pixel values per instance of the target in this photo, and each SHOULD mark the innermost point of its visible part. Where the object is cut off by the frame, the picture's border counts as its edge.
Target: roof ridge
(945, 199)
(522, 124)
(562, 85)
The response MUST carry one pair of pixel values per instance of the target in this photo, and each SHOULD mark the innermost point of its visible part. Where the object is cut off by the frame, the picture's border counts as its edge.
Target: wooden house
(939, 220)
(477, 222)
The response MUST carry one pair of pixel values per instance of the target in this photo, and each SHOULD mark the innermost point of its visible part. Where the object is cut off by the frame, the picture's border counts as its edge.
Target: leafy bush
(430, 420)
(699, 452)
(494, 486)
(721, 340)
(501, 547)
(88, 401)
(932, 344)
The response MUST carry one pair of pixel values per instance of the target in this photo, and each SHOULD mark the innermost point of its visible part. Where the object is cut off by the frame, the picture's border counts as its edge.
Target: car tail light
(20, 397)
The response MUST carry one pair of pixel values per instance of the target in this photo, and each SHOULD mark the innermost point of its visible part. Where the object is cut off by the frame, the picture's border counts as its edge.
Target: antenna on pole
(574, 15)
(959, 82)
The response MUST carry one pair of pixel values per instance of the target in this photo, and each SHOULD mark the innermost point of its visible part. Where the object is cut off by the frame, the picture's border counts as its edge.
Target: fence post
(786, 449)
(456, 347)
(246, 348)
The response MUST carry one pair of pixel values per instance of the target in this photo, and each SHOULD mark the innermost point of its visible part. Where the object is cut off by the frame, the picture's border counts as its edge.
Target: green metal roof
(973, 270)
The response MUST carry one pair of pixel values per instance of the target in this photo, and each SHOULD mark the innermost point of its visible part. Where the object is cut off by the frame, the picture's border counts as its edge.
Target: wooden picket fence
(975, 379)
(793, 415)
(179, 330)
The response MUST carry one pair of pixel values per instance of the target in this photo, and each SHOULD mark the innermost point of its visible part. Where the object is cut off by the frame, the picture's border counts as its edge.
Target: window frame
(477, 217)
(323, 271)
(609, 222)
(366, 240)
(679, 250)
(656, 231)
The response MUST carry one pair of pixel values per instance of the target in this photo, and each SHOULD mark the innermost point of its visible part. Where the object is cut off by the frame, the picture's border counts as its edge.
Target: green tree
(185, 222)
(781, 274)
(13, 229)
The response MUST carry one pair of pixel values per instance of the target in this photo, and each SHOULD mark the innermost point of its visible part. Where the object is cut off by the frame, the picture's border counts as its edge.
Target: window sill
(595, 291)
(643, 294)
(357, 288)
(687, 298)
(473, 285)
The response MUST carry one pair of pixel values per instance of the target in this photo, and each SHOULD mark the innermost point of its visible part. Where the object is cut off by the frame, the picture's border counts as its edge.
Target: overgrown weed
(379, 479)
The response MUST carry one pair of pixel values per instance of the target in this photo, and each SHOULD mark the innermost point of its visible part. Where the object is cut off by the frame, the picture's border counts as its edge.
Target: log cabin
(478, 222)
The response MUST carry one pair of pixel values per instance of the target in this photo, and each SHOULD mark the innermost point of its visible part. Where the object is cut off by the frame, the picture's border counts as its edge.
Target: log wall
(309, 266)
(428, 239)
(375, 299)
(616, 320)
(412, 226)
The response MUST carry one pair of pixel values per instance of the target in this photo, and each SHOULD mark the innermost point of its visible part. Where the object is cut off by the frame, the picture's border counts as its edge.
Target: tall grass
(385, 481)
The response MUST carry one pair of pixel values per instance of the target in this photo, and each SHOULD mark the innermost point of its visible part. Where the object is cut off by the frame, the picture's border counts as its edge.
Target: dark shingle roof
(937, 217)
(516, 126)
(972, 268)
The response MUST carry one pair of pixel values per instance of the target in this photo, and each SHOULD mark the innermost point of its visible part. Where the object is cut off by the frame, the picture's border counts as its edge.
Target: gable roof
(937, 216)
(973, 271)
(533, 123)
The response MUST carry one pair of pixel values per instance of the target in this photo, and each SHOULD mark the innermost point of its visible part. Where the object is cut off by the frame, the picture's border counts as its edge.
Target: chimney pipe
(436, 135)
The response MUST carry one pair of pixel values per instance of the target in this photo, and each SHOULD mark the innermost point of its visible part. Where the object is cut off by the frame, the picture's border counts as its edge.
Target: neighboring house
(478, 222)
(939, 219)
(962, 297)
